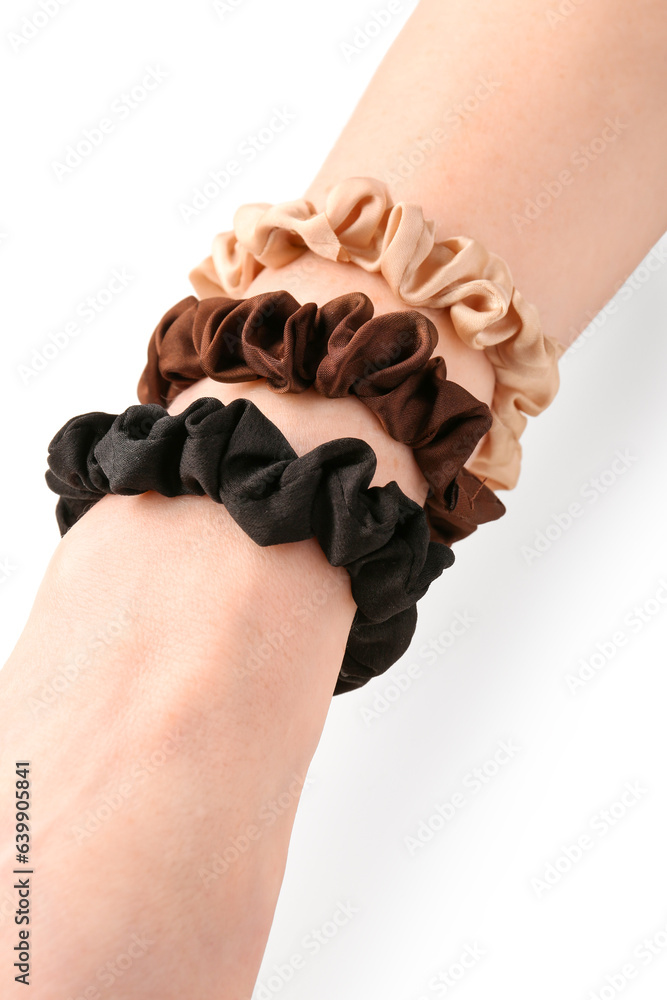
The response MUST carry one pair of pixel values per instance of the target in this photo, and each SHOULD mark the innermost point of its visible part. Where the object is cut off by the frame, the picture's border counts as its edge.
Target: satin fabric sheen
(236, 456)
(334, 349)
(359, 224)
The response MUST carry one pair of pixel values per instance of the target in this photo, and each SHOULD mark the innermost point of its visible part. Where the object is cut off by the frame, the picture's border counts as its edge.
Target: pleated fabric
(340, 349)
(359, 224)
(236, 456)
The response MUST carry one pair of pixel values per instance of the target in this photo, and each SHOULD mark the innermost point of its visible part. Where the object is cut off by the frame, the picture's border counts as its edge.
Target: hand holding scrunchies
(236, 456)
(340, 349)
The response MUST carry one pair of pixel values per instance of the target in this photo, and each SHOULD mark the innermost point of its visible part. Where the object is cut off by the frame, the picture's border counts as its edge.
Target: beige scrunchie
(360, 225)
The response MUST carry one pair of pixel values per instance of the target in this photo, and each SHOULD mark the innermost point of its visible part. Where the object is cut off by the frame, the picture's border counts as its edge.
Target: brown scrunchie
(339, 349)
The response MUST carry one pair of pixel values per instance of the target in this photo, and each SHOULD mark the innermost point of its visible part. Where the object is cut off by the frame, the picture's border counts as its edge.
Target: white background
(374, 779)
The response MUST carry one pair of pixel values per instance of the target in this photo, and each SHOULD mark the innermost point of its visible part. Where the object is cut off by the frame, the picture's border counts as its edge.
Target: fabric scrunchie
(339, 348)
(359, 224)
(236, 456)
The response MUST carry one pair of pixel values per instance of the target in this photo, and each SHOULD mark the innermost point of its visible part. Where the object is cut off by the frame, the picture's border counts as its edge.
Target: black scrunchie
(235, 455)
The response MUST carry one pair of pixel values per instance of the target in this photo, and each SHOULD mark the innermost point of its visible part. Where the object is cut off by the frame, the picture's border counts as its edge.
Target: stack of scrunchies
(339, 349)
(391, 547)
(236, 456)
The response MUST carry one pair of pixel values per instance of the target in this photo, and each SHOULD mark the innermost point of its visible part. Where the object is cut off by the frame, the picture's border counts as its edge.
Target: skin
(168, 725)
(173, 685)
(554, 81)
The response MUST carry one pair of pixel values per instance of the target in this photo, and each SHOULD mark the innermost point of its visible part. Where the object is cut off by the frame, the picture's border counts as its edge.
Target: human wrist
(200, 598)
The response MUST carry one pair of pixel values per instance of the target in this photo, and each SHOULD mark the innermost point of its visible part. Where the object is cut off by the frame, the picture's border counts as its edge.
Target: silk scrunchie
(235, 455)
(359, 224)
(339, 349)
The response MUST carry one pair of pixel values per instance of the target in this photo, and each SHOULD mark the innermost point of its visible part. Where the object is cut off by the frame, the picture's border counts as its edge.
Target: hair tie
(340, 349)
(360, 224)
(236, 456)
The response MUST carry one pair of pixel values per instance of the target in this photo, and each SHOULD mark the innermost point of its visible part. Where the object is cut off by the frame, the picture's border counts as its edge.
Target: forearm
(170, 689)
(229, 650)
(474, 154)
(224, 655)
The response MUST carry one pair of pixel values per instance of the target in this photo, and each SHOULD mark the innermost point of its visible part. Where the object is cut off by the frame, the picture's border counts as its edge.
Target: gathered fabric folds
(359, 224)
(236, 456)
(339, 349)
